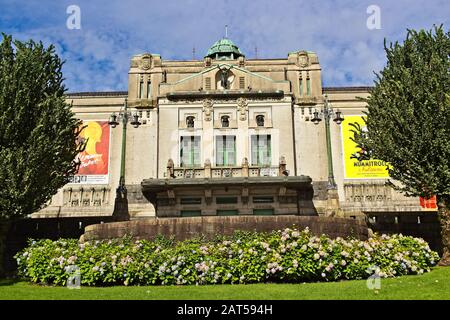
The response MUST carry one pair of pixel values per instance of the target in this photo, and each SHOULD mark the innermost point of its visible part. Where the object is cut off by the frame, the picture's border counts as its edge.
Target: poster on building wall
(428, 204)
(354, 169)
(94, 167)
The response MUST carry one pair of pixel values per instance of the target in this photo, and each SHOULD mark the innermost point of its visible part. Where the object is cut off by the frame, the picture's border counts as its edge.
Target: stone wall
(417, 224)
(184, 228)
(15, 234)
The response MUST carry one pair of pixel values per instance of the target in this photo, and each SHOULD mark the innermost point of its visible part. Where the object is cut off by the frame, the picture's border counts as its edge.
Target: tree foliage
(38, 131)
(408, 114)
(408, 120)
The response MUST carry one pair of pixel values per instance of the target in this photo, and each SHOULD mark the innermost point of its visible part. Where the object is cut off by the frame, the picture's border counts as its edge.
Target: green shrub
(289, 255)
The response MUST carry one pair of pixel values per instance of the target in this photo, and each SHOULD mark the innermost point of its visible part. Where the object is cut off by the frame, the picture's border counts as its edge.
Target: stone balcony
(243, 190)
(224, 172)
(207, 171)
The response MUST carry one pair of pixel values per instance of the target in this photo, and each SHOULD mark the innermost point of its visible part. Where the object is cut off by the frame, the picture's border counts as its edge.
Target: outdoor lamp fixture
(338, 118)
(113, 120)
(135, 123)
(121, 202)
(327, 113)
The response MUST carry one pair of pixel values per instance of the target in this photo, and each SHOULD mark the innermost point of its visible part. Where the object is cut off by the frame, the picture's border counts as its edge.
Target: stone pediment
(224, 77)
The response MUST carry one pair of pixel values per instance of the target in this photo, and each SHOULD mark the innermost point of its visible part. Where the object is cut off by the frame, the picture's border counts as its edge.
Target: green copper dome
(224, 49)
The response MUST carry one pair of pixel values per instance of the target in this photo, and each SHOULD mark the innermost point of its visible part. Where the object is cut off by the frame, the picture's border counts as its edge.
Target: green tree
(408, 120)
(39, 136)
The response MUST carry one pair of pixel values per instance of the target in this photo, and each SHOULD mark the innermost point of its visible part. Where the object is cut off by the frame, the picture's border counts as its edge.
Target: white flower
(316, 256)
(323, 275)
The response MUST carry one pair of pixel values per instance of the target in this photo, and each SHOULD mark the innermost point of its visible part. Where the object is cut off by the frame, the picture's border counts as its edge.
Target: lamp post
(121, 201)
(328, 113)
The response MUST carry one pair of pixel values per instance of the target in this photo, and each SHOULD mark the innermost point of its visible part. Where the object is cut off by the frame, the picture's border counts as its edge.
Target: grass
(434, 285)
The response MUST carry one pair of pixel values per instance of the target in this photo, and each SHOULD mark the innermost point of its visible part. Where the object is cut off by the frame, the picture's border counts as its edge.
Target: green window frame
(191, 201)
(190, 151)
(263, 212)
(225, 151)
(261, 150)
(227, 212)
(226, 200)
(190, 213)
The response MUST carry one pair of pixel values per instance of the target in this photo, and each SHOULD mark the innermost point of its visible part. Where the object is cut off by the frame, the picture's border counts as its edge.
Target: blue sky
(98, 55)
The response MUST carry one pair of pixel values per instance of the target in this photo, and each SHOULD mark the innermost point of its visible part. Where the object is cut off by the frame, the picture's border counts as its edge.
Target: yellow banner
(354, 169)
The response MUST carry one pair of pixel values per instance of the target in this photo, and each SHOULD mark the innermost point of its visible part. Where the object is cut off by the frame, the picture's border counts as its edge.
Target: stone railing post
(170, 169)
(282, 167)
(245, 167)
(207, 170)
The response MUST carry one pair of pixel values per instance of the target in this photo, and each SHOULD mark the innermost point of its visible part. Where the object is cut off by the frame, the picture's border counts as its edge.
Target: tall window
(141, 89)
(301, 85)
(261, 150)
(190, 151)
(225, 150)
(308, 86)
(149, 89)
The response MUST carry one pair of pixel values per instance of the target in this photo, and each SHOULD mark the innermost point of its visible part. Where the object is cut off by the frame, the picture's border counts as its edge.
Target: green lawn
(433, 285)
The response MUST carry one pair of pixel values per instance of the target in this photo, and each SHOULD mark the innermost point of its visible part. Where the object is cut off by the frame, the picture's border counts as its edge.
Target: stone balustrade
(207, 171)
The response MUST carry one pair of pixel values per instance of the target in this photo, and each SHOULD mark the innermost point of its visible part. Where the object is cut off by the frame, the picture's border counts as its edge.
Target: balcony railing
(225, 172)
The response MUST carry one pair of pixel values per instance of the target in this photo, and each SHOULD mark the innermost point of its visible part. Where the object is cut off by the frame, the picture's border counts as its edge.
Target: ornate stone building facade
(224, 135)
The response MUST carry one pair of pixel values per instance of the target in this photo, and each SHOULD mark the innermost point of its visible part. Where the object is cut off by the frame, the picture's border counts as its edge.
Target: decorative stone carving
(207, 62)
(282, 167)
(146, 62)
(170, 167)
(303, 59)
(242, 107)
(95, 196)
(241, 61)
(245, 167)
(208, 109)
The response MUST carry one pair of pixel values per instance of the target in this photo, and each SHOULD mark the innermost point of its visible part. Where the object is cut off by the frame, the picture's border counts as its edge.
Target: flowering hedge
(289, 255)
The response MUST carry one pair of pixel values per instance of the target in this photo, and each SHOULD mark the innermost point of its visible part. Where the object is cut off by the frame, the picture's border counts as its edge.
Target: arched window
(225, 120)
(260, 120)
(224, 79)
(190, 121)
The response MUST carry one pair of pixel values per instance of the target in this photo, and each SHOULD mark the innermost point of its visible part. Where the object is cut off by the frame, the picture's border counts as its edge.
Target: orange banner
(430, 204)
(94, 159)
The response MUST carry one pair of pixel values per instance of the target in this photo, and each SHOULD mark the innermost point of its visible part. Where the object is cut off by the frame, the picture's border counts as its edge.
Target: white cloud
(98, 55)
